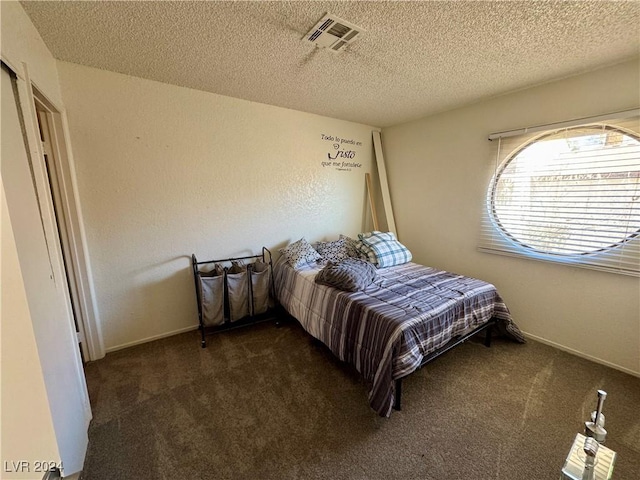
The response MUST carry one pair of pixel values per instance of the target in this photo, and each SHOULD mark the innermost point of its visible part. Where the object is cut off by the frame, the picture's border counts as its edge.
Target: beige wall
(165, 171)
(438, 177)
(27, 412)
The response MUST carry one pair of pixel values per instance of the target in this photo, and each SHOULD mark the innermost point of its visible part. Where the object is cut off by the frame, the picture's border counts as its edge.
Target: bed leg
(398, 396)
(487, 336)
(203, 342)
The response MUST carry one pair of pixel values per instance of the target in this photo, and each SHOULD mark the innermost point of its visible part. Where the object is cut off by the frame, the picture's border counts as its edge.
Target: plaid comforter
(386, 330)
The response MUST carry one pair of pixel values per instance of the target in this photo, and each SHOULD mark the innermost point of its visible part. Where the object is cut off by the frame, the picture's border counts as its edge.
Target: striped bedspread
(386, 330)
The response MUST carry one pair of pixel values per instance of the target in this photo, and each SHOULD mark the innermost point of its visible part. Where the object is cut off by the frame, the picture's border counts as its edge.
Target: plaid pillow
(366, 252)
(385, 249)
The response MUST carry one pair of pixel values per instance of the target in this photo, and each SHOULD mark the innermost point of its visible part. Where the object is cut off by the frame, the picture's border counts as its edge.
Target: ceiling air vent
(333, 33)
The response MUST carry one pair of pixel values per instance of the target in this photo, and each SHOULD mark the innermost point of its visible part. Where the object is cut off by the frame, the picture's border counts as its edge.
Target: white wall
(438, 177)
(165, 171)
(21, 42)
(56, 361)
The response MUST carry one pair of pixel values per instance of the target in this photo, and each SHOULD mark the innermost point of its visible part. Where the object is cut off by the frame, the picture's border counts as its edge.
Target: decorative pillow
(334, 252)
(351, 274)
(387, 250)
(300, 253)
(352, 247)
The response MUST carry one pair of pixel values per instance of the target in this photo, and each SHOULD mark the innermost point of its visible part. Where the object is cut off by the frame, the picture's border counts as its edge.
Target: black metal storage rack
(220, 293)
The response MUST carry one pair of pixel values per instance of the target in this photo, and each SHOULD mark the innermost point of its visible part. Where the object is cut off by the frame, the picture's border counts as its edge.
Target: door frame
(56, 183)
(71, 221)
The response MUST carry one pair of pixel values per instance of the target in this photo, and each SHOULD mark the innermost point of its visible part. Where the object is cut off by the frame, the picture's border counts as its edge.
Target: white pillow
(300, 253)
(334, 251)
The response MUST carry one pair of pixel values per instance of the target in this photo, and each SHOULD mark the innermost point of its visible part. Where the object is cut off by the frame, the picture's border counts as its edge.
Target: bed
(405, 318)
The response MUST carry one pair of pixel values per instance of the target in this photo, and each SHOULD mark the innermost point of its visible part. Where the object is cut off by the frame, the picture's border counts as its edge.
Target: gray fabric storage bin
(260, 275)
(238, 291)
(212, 297)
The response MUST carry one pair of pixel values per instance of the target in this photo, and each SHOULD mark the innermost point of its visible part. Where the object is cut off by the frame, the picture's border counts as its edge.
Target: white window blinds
(568, 195)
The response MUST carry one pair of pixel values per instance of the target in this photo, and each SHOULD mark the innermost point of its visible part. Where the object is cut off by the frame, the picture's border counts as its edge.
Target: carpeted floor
(271, 403)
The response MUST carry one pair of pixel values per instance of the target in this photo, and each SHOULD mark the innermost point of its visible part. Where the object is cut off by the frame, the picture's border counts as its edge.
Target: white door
(29, 205)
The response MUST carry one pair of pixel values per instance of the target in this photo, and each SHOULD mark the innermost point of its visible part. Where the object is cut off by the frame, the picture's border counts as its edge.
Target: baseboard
(151, 339)
(580, 354)
(526, 334)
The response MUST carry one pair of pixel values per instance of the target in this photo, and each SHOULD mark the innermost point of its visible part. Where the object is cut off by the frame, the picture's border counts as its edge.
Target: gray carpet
(270, 403)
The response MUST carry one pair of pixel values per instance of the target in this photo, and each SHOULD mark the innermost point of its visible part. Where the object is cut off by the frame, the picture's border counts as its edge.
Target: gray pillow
(351, 275)
(353, 249)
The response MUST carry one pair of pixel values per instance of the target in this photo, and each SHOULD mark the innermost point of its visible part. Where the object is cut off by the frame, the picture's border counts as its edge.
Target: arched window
(571, 195)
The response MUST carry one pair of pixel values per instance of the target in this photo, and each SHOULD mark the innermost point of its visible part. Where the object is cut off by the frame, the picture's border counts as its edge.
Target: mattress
(386, 330)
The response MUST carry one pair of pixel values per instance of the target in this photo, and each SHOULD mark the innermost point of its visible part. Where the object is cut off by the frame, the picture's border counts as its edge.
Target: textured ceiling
(414, 59)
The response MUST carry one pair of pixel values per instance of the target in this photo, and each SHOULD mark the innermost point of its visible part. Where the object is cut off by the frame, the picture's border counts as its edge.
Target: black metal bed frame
(250, 319)
(273, 314)
(487, 327)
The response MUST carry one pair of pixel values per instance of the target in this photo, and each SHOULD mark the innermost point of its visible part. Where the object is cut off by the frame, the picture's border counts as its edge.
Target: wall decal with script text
(342, 153)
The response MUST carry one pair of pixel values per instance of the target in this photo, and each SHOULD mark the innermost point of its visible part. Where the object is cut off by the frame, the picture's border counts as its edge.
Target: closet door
(44, 282)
